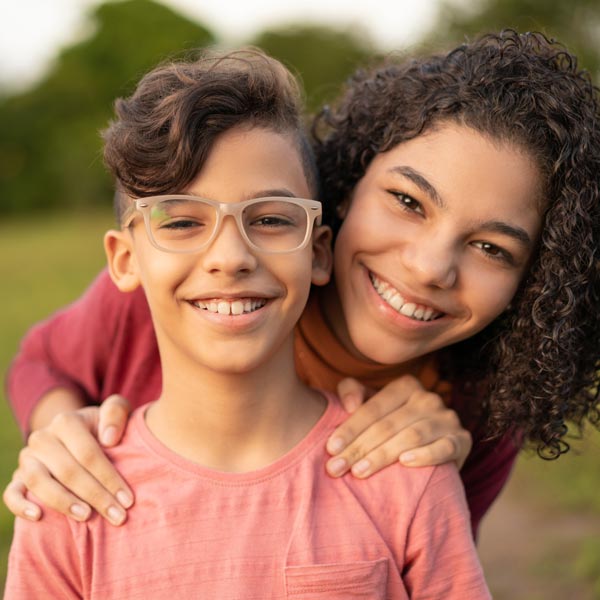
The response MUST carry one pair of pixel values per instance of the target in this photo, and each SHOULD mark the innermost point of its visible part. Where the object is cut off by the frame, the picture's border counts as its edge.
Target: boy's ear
(322, 255)
(122, 265)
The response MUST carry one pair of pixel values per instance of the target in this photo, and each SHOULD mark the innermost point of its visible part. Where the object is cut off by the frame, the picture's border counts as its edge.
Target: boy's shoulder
(407, 484)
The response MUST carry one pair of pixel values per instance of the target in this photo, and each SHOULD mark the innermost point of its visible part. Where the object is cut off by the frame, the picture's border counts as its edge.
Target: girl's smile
(434, 243)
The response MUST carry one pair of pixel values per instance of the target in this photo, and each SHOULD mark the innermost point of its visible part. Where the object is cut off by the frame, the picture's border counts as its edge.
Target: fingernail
(407, 457)
(335, 445)
(32, 513)
(124, 498)
(361, 467)
(109, 436)
(116, 515)
(352, 402)
(79, 511)
(337, 466)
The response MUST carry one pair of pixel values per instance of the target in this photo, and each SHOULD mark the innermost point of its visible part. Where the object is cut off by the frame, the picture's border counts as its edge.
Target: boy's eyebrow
(420, 181)
(274, 193)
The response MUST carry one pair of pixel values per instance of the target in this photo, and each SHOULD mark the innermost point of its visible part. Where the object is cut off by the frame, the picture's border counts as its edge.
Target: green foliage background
(55, 195)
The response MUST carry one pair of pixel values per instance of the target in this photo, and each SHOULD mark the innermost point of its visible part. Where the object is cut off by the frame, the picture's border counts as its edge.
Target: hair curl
(164, 132)
(537, 364)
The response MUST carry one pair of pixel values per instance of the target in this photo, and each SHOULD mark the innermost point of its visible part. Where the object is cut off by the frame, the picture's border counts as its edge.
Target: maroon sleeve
(485, 473)
(490, 461)
(103, 343)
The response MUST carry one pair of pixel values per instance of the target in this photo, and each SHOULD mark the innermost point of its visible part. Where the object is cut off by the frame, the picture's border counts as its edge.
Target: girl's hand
(64, 465)
(401, 422)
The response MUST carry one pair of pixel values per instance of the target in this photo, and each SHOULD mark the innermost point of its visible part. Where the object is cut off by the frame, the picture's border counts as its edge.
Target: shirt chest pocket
(338, 581)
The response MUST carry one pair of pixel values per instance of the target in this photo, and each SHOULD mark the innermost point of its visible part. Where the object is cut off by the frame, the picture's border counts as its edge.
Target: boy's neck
(234, 422)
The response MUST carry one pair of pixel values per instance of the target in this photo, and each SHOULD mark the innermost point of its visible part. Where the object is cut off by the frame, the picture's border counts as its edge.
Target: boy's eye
(180, 224)
(407, 202)
(272, 221)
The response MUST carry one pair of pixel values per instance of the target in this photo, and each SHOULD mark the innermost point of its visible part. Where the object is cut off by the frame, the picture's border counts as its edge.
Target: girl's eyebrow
(420, 181)
(517, 233)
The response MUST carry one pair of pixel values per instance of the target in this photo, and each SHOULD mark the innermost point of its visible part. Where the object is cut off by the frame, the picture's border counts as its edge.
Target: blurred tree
(50, 148)
(321, 56)
(576, 24)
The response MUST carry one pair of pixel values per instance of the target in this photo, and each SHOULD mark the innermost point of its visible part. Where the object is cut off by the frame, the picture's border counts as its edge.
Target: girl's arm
(403, 421)
(101, 344)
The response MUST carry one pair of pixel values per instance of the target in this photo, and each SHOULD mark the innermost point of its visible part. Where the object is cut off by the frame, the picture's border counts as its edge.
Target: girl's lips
(392, 297)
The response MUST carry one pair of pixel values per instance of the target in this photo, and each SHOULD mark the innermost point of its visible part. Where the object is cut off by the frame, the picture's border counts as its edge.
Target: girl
(466, 187)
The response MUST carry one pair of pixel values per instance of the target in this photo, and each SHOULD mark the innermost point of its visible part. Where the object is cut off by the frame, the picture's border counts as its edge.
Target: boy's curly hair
(537, 364)
(163, 133)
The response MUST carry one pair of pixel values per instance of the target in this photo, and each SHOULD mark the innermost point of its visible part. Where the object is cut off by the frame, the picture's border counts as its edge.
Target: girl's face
(436, 238)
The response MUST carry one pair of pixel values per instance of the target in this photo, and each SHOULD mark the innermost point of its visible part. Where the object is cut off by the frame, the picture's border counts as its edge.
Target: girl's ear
(322, 255)
(120, 256)
(341, 210)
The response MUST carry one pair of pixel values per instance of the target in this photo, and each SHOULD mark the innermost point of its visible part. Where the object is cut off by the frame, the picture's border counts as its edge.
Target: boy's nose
(228, 252)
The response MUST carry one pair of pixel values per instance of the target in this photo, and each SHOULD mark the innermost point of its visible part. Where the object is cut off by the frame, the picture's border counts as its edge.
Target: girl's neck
(234, 422)
(332, 311)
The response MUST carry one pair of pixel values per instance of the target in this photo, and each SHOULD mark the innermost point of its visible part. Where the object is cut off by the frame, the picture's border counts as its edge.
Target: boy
(232, 498)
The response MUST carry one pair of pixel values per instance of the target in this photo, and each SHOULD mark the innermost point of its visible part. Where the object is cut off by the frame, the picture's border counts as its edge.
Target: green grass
(46, 261)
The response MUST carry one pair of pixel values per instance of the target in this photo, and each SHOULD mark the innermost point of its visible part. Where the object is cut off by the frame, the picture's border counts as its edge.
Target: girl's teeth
(397, 302)
(408, 309)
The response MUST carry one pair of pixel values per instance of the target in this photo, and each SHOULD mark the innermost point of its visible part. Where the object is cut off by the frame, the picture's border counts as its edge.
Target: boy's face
(192, 296)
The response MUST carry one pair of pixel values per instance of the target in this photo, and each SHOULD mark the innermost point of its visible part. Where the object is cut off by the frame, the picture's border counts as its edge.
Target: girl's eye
(407, 202)
(495, 252)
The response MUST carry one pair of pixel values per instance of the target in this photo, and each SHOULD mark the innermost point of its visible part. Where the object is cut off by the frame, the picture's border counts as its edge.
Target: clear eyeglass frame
(313, 209)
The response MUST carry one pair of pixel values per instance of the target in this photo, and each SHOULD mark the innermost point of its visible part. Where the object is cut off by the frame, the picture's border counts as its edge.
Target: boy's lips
(415, 309)
(230, 306)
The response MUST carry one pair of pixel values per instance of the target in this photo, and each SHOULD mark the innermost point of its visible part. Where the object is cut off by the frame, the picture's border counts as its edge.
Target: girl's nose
(228, 252)
(432, 261)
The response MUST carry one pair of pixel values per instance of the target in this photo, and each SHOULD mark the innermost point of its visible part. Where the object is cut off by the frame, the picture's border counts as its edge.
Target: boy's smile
(435, 240)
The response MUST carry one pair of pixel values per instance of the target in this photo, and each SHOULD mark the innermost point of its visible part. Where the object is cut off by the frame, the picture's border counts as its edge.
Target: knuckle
(68, 474)
(384, 429)
(64, 421)
(452, 419)
(35, 440)
(414, 437)
(115, 402)
(355, 452)
(448, 446)
(87, 456)
(431, 402)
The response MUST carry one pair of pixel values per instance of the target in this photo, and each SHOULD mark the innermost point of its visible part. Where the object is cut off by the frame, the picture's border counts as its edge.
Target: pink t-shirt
(284, 531)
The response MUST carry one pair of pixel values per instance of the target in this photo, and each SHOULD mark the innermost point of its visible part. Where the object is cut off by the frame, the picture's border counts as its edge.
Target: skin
(439, 256)
(234, 401)
(448, 222)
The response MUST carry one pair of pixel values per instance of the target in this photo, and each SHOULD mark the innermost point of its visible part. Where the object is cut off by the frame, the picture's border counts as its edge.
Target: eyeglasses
(180, 223)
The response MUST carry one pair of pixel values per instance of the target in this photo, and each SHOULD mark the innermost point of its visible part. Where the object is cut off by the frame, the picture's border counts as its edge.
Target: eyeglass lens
(274, 225)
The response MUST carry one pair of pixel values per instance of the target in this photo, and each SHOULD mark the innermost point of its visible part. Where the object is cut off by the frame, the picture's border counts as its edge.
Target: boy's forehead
(251, 162)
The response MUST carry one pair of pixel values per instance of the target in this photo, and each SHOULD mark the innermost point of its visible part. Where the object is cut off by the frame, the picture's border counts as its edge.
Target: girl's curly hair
(537, 364)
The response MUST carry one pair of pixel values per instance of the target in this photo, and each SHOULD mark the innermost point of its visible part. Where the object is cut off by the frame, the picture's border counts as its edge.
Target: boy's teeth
(235, 307)
(397, 302)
